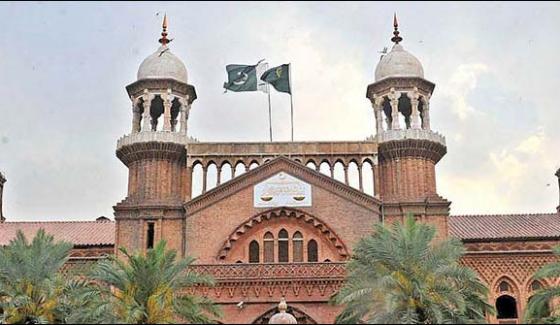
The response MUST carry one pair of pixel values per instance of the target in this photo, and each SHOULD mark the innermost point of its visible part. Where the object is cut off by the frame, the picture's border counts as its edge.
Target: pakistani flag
(245, 77)
(279, 78)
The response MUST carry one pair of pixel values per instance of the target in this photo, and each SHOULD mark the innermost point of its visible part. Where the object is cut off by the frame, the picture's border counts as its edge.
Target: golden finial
(396, 38)
(164, 40)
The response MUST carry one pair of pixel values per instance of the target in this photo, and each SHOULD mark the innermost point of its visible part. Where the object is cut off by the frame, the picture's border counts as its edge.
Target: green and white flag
(279, 78)
(246, 77)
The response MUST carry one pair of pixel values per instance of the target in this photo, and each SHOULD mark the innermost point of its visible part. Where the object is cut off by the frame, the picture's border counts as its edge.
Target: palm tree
(146, 289)
(398, 275)
(32, 290)
(543, 306)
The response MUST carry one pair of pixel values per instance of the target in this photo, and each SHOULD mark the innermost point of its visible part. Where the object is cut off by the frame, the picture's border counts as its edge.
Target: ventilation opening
(150, 235)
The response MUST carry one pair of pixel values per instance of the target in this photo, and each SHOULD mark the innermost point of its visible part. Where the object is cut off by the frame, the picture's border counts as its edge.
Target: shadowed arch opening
(254, 252)
(283, 245)
(268, 247)
(297, 243)
(312, 251)
(506, 307)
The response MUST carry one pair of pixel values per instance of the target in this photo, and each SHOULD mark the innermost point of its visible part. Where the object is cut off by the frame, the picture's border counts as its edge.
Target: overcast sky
(63, 69)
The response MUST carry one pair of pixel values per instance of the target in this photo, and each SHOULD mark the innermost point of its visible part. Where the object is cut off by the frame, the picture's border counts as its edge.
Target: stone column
(361, 181)
(426, 114)
(332, 170)
(415, 113)
(218, 175)
(136, 117)
(167, 102)
(232, 171)
(393, 96)
(377, 110)
(346, 175)
(147, 118)
(185, 109)
(204, 177)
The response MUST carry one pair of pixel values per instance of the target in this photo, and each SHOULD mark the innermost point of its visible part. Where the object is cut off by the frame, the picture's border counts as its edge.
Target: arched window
(504, 287)
(254, 252)
(297, 241)
(312, 251)
(506, 306)
(283, 255)
(268, 248)
(536, 285)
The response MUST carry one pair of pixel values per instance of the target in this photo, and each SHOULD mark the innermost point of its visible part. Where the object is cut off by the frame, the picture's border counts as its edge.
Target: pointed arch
(254, 252)
(297, 244)
(283, 246)
(268, 247)
(324, 230)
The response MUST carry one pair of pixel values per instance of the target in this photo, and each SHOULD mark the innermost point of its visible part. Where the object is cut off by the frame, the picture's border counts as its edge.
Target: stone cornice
(399, 83)
(412, 148)
(434, 205)
(151, 150)
(264, 216)
(272, 167)
(136, 88)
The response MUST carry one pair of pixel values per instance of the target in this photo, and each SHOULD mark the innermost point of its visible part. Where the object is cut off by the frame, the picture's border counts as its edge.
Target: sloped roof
(505, 226)
(79, 233)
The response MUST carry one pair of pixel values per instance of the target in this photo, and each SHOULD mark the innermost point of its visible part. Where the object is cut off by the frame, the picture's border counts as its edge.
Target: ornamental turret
(155, 153)
(408, 148)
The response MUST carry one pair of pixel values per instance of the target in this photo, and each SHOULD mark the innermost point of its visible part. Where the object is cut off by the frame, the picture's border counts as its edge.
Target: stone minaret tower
(2, 181)
(155, 154)
(408, 148)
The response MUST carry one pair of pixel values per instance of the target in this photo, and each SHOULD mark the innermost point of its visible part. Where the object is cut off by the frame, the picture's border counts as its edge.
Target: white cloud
(463, 80)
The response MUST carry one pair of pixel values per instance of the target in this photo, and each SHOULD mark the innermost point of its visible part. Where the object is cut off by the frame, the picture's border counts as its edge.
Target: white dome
(163, 64)
(398, 63)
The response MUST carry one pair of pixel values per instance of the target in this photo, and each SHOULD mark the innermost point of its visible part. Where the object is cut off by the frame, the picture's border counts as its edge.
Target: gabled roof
(273, 167)
(79, 233)
(505, 226)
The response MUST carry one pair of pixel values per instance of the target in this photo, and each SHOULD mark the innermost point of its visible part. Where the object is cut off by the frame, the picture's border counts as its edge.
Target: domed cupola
(398, 63)
(161, 65)
(161, 96)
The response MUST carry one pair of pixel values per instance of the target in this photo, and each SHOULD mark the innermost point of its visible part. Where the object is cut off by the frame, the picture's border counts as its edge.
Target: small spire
(396, 38)
(164, 40)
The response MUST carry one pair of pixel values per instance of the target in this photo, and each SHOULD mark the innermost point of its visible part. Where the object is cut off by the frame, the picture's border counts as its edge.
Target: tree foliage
(543, 307)
(146, 289)
(399, 274)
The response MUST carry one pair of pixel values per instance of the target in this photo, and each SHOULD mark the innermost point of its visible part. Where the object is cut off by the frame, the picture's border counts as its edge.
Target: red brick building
(283, 226)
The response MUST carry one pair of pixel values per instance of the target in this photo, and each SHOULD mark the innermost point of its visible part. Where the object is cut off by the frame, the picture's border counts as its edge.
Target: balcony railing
(155, 136)
(420, 134)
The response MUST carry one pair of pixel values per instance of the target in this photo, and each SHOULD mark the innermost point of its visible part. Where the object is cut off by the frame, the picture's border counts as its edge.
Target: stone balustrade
(420, 134)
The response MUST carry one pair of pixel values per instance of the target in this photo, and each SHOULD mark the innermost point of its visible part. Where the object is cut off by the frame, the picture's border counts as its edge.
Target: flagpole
(291, 100)
(269, 111)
